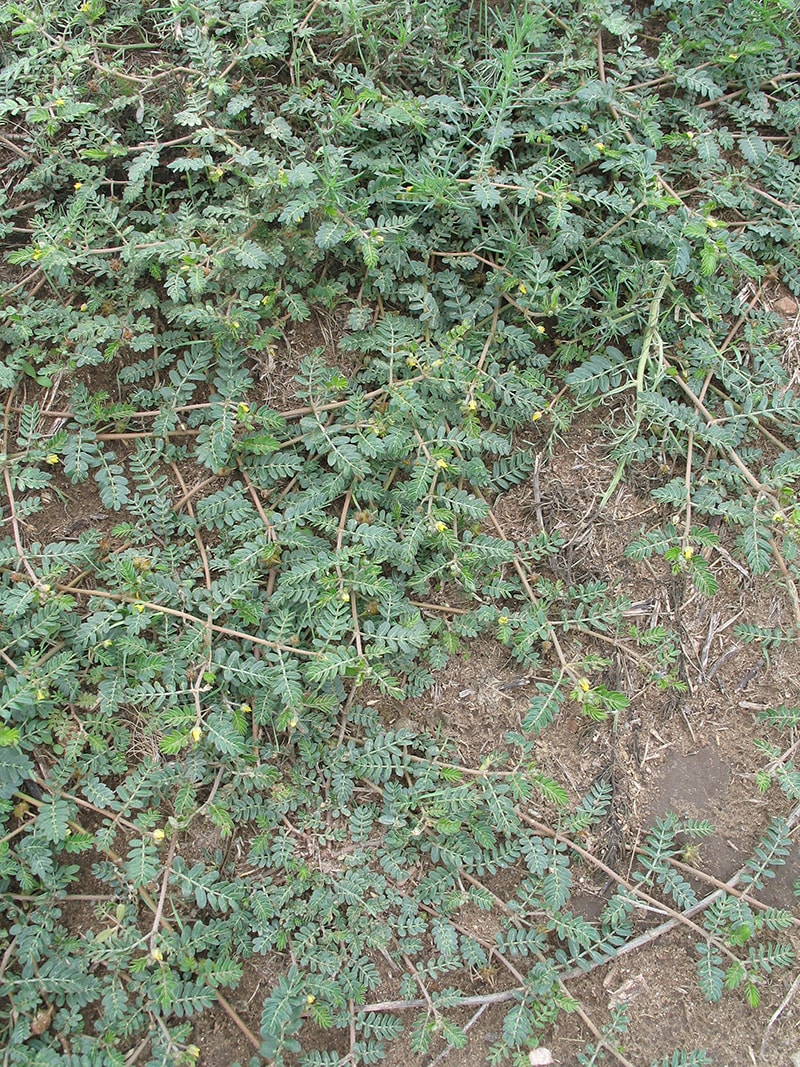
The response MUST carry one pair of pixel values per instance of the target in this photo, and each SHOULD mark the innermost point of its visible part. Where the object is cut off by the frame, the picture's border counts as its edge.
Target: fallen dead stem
(677, 916)
(409, 1005)
(203, 623)
(791, 585)
(200, 545)
(11, 504)
(732, 454)
(523, 577)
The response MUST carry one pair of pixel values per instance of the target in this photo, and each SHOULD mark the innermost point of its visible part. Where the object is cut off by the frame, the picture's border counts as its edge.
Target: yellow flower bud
(197, 733)
(584, 684)
(157, 955)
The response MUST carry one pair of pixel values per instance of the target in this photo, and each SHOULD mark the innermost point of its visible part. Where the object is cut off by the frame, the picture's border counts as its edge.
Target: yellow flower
(584, 684)
(599, 146)
(523, 289)
(472, 405)
(197, 733)
(59, 102)
(536, 416)
(292, 724)
(158, 834)
(310, 998)
(441, 526)
(51, 458)
(157, 955)
(441, 464)
(540, 329)
(503, 620)
(245, 709)
(77, 186)
(688, 552)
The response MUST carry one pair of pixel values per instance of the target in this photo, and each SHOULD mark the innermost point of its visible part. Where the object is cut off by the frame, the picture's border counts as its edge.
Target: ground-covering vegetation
(505, 216)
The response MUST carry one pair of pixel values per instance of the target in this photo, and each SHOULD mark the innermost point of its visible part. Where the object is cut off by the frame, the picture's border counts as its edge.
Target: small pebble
(786, 306)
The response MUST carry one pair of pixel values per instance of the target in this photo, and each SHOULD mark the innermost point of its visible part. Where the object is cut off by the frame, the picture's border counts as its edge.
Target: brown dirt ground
(692, 754)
